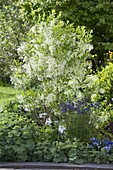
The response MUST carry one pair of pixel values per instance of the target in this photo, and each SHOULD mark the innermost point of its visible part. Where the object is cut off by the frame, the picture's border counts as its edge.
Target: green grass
(7, 94)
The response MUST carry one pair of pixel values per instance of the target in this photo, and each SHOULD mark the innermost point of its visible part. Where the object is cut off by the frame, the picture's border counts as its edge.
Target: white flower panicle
(48, 121)
(61, 129)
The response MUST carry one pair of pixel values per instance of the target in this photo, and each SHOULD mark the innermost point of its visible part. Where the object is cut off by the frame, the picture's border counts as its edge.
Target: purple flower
(99, 144)
(70, 106)
(94, 141)
(108, 148)
(91, 104)
(107, 127)
(109, 143)
(81, 106)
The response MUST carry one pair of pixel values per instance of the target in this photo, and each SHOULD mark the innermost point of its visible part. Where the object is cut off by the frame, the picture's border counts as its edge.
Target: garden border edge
(49, 165)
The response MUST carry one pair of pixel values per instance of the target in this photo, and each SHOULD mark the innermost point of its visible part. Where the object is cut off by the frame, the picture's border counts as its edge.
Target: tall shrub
(55, 66)
(55, 62)
(95, 15)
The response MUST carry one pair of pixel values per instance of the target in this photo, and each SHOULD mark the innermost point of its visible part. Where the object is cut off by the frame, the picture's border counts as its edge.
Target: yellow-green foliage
(104, 84)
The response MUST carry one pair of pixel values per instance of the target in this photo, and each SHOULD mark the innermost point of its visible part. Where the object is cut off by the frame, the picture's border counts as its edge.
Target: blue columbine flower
(99, 144)
(108, 148)
(80, 102)
(94, 141)
(70, 106)
(91, 104)
(109, 143)
(81, 106)
(87, 99)
(78, 110)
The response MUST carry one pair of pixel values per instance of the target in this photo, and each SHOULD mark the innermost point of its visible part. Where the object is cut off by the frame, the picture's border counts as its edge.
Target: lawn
(7, 94)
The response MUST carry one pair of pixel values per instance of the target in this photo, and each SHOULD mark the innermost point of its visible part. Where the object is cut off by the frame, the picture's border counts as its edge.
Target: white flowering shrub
(55, 64)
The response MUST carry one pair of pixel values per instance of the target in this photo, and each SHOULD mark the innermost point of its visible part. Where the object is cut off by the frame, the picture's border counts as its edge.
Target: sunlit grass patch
(7, 94)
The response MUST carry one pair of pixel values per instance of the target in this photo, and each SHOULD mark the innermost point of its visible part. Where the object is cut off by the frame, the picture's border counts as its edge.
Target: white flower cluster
(41, 115)
(48, 121)
(54, 61)
(61, 129)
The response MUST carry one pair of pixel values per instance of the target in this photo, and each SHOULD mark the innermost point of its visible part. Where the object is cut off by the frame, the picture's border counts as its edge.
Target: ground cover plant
(63, 111)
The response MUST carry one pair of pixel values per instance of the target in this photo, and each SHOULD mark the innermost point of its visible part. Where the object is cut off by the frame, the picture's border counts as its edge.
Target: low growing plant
(18, 137)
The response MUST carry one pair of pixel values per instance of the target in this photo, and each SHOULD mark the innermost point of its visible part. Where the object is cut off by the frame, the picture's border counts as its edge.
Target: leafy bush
(102, 92)
(23, 140)
(95, 151)
(55, 65)
(18, 137)
(95, 15)
(52, 152)
(12, 31)
(103, 86)
(105, 125)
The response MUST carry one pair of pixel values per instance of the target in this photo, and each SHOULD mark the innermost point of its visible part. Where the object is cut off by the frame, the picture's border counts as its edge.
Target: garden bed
(59, 166)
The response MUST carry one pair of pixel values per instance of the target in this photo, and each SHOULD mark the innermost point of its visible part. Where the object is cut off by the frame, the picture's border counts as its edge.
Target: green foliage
(55, 64)
(12, 31)
(21, 139)
(50, 60)
(52, 152)
(18, 137)
(81, 117)
(106, 127)
(83, 153)
(95, 15)
(103, 86)
(81, 126)
(102, 92)
(74, 152)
